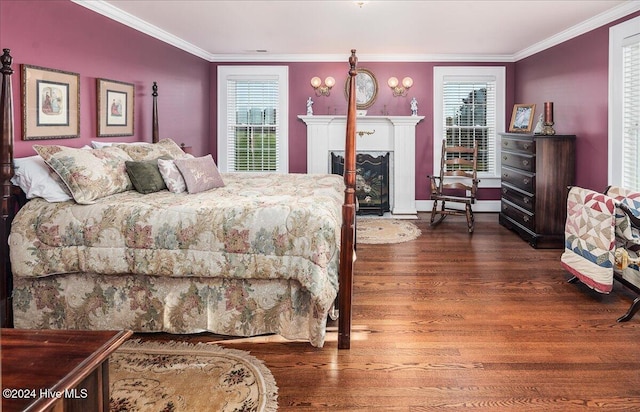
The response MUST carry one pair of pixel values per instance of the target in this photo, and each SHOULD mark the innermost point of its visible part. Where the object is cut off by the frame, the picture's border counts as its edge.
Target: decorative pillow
(37, 179)
(200, 173)
(145, 176)
(150, 151)
(89, 174)
(171, 176)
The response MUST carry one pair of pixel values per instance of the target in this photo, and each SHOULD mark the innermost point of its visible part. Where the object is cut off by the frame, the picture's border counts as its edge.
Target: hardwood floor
(453, 321)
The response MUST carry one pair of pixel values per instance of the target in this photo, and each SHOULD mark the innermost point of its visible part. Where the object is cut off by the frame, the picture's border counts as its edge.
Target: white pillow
(37, 179)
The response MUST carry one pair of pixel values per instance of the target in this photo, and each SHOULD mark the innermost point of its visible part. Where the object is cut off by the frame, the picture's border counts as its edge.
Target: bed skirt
(236, 307)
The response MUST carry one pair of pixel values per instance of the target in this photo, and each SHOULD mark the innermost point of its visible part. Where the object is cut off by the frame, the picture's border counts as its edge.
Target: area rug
(380, 231)
(179, 376)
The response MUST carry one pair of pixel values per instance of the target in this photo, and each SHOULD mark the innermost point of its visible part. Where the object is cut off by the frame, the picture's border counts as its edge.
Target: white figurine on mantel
(414, 107)
(538, 129)
(309, 107)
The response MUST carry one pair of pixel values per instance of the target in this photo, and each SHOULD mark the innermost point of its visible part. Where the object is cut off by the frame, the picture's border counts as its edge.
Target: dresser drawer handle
(525, 162)
(525, 218)
(504, 190)
(505, 157)
(505, 175)
(525, 181)
(526, 146)
(505, 143)
(525, 200)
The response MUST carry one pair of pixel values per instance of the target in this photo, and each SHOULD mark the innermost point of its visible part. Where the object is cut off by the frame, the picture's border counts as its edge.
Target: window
(624, 105)
(468, 107)
(252, 119)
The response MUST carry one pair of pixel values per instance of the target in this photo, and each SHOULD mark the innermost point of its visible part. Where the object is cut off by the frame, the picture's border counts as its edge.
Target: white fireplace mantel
(396, 134)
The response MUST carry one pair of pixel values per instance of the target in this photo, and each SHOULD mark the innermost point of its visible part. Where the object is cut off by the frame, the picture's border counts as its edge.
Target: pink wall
(574, 75)
(300, 89)
(301, 74)
(62, 35)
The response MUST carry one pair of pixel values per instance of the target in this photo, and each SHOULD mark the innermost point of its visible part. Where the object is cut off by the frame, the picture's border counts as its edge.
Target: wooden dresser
(57, 370)
(536, 173)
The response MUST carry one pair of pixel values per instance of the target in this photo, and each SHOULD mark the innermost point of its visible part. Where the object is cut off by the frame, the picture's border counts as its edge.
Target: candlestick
(548, 112)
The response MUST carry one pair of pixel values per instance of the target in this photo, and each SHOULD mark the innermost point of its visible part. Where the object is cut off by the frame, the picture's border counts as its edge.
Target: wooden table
(57, 370)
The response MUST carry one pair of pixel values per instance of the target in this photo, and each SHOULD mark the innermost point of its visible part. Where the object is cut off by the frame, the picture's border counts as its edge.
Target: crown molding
(142, 26)
(595, 22)
(114, 13)
(266, 57)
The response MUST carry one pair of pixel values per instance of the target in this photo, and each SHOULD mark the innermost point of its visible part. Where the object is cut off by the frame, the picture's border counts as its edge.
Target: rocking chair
(457, 183)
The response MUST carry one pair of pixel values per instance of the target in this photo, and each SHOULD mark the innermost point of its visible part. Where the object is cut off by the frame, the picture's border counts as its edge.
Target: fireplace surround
(394, 134)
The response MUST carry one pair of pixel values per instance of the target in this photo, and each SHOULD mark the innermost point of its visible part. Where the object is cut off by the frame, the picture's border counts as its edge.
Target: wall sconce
(323, 90)
(407, 82)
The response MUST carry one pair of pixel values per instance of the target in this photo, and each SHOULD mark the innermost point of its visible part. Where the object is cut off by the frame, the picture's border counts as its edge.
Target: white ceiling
(314, 30)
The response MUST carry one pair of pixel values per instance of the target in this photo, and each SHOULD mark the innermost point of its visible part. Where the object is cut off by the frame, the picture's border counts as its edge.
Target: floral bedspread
(255, 228)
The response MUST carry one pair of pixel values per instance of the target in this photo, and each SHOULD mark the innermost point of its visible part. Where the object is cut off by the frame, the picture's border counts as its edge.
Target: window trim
(282, 74)
(617, 36)
(479, 73)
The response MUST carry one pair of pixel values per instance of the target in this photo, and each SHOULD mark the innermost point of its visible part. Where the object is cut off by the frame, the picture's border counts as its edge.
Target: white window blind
(631, 113)
(469, 115)
(624, 106)
(253, 119)
(252, 125)
(468, 106)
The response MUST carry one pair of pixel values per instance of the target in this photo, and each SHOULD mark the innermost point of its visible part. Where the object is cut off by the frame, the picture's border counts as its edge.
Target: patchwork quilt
(590, 238)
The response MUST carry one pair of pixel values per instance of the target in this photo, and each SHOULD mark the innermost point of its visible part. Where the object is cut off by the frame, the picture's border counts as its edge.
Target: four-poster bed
(277, 274)
(6, 172)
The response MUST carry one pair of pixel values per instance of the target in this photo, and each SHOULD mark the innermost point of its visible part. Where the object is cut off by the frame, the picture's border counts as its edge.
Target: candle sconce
(322, 89)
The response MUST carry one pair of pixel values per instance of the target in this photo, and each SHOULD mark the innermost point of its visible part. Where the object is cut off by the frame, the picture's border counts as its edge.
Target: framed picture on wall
(50, 103)
(522, 118)
(115, 108)
(366, 88)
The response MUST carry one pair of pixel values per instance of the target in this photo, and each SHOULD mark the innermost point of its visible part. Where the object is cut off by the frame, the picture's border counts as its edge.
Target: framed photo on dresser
(522, 118)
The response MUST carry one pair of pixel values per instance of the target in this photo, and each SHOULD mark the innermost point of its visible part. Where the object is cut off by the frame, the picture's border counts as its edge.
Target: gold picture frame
(50, 103)
(366, 88)
(115, 108)
(522, 118)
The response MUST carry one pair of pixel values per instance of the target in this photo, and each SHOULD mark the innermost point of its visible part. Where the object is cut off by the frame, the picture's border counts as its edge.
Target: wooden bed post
(347, 241)
(6, 173)
(155, 132)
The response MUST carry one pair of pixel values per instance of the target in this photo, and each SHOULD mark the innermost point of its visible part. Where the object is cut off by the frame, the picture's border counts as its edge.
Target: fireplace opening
(372, 181)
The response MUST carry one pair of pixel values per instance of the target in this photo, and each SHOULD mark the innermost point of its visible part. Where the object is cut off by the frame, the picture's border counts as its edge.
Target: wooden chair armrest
(434, 183)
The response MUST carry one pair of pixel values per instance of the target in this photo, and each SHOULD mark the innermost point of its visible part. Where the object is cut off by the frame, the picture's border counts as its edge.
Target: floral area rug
(379, 231)
(177, 376)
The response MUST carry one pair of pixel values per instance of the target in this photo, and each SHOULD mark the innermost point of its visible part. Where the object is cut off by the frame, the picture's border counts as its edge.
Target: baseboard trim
(479, 206)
